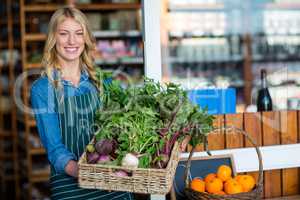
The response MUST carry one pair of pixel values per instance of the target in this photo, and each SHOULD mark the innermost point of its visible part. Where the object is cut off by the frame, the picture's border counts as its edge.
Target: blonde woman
(64, 99)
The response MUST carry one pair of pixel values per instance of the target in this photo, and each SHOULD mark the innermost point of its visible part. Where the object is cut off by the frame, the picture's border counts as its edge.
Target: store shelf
(41, 8)
(36, 175)
(9, 42)
(117, 34)
(84, 7)
(7, 177)
(33, 66)
(109, 6)
(280, 6)
(40, 175)
(4, 45)
(35, 37)
(120, 61)
(37, 151)
(196, 7)
(5, 134)
(182, 35)
(6, 155)
(178, 60)
(266, 58)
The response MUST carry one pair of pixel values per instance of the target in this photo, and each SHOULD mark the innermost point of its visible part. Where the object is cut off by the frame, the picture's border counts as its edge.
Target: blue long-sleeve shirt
(43, 105)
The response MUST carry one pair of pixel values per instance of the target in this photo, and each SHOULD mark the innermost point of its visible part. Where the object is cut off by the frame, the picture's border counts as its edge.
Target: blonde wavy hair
(50, 60)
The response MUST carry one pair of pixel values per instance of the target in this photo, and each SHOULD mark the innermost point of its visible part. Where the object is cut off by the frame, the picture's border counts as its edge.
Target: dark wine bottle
(264, 101)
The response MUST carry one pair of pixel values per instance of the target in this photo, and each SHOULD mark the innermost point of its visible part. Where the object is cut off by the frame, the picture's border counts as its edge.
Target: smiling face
(69, 40)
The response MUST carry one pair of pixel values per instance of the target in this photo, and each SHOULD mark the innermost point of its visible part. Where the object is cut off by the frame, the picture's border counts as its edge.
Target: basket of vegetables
(136, 148)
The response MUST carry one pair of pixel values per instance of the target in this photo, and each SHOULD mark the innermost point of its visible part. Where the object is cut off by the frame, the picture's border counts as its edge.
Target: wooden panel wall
(268, 128)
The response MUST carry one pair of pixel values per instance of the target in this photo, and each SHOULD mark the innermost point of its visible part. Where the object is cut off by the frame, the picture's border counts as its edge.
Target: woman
(64, 99)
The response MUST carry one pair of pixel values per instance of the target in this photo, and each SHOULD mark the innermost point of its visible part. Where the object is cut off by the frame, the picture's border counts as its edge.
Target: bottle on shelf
(264, 101)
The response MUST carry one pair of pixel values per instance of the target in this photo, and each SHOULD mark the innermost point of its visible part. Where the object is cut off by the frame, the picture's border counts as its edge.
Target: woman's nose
(71, 39)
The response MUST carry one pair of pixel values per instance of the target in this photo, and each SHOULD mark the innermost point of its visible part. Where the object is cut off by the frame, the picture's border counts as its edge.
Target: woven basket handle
(227, 128)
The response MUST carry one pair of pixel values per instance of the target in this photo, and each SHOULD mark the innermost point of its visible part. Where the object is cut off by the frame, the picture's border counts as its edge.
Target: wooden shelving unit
(34, 37)
(8, 119)
(29, 38)
(84, 7)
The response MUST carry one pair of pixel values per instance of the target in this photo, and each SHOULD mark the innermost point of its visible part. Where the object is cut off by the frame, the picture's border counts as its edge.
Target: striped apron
(76, 116)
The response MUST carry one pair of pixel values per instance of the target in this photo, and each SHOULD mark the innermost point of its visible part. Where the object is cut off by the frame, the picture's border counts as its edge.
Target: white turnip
(130, 160)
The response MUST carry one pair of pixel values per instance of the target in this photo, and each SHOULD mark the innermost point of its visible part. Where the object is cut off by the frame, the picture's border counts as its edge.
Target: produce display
(138, 125)
(223, 183)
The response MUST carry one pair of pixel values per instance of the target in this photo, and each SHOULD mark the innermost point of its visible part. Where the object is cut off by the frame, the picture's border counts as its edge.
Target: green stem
(142, 148)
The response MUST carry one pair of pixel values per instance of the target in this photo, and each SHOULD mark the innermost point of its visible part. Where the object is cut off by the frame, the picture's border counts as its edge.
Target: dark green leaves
(147, 120)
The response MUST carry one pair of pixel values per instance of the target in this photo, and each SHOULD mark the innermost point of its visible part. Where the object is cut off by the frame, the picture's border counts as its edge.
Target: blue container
(217, 101)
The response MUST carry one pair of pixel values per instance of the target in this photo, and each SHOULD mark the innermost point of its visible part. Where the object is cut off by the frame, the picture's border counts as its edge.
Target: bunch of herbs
(148, 120)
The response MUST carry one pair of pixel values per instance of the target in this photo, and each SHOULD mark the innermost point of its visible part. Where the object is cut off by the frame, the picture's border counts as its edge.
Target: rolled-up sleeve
(42, 102)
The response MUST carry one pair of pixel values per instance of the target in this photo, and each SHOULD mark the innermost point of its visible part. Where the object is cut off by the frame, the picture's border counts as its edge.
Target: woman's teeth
(71, 49)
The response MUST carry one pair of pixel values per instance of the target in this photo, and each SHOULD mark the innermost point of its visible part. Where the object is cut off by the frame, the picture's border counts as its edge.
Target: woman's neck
(70, 71)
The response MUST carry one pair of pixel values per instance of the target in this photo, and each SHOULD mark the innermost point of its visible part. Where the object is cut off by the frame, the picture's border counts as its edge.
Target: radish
(120, 173)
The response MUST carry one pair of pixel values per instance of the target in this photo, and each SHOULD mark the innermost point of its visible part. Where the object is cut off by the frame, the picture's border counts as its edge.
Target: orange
(247, 182)
(237, 177)
(198, 185)
(214, 185)
(224, 172)
(220, 193)
(232, 186)
(209, 177)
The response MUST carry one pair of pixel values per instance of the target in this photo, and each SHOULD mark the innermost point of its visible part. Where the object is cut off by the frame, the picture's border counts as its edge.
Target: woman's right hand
(72, 168)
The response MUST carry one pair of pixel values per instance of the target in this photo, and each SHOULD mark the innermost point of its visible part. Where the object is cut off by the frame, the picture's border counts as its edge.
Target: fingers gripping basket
(141, 180)
(254, 194)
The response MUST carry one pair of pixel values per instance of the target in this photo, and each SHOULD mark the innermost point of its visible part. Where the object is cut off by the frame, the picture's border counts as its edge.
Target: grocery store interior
(208, 45)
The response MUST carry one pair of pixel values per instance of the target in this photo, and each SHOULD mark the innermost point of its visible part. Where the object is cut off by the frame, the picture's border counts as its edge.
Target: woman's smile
(71, 49)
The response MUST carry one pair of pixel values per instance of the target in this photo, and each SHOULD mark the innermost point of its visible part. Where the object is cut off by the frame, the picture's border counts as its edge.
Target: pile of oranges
(222, 182)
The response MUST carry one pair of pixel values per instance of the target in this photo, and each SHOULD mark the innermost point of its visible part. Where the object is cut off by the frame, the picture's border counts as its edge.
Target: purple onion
(104, 146)
(103, 159)
(92, 158)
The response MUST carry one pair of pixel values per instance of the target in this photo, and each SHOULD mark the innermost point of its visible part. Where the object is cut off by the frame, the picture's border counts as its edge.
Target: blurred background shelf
(117, 34)
(35, 37)
(120, 61)
(9, 60)
(33, 66)
(40, 175)
(196, 7)
(231, 44)
(5, 134)
(84, 7)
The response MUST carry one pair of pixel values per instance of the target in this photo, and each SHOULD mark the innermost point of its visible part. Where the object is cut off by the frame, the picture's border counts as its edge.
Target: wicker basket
(142, 180)
(254, 194)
